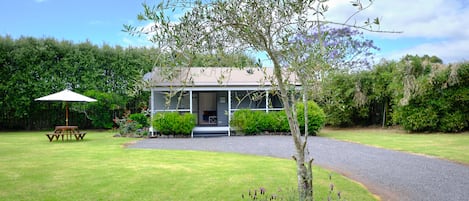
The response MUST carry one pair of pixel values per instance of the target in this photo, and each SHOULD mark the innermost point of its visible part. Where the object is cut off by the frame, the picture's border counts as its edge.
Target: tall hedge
(442, 105)
(421, 94)
(35, 67)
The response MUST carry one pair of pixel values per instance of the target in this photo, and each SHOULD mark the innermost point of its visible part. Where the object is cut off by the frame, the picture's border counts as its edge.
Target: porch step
(210, 131)
(196, 135)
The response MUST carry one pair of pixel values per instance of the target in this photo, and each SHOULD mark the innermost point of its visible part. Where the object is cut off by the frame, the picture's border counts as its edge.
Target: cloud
(437, 27)
(40, 1)
(418, 18)
(429, 19)
(451, 51)
(441, 25)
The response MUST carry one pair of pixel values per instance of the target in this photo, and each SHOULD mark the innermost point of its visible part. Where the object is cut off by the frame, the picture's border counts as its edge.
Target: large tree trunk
(304, 166)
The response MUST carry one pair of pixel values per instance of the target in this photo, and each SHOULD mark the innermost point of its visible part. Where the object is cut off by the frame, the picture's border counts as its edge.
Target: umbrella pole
(66, 113)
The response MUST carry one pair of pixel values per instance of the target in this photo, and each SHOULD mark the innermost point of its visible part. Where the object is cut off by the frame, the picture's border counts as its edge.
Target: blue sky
(99, 21)
(437, 27)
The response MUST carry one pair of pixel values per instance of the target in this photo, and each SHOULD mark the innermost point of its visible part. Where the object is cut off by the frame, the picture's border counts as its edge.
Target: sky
(433, 27)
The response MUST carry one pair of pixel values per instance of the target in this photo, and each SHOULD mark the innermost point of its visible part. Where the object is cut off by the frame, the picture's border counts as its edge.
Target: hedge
(173, 123)
(252, 122)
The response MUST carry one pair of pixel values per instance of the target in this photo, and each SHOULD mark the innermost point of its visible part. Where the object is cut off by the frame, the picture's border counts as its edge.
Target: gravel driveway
(392, 175)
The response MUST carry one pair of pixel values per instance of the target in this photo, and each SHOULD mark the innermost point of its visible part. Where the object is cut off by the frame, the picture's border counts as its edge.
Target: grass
(101, 168)
(453, 147)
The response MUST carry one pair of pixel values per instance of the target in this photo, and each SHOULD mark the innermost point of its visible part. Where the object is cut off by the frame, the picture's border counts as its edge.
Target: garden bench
(67, 131)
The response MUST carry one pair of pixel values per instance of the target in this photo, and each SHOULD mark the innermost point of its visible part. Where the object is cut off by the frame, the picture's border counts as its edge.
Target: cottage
(212, 94)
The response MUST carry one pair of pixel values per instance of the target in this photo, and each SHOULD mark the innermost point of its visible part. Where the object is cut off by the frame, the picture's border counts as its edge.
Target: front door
(207, 114)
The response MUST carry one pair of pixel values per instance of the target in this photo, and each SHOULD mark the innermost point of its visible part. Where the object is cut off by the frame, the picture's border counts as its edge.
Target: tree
(237, 26)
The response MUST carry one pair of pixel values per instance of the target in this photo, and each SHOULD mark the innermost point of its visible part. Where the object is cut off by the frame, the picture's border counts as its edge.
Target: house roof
(210, 77)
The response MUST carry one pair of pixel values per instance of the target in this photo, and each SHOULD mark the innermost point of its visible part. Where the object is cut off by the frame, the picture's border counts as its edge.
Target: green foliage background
(417, 93)
(31, 68)
(35, 67)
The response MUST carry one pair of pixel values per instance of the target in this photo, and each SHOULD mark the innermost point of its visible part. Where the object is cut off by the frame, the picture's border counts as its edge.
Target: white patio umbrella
(66, 96)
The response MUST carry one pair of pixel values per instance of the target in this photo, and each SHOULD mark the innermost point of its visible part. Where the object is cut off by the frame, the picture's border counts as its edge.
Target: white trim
(152, 100)
(190, 101)
(190, 109)
(171, 110)
(152, 106)
(257, 109)
(229, 112)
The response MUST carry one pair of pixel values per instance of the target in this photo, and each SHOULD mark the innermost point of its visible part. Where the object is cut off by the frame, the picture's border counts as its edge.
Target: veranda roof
(212, 76)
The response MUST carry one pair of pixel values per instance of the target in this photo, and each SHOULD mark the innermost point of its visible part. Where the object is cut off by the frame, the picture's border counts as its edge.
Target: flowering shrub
(133, 125)
(127, 127)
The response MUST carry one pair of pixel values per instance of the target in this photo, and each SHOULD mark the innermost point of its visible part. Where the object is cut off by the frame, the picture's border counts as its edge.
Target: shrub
(126, 126)
(416, 118)
(252, 122)
(440, 107)
(130, 128)
(246, 121)
(186, 123)
(279, 122)
(316, 117)
(263, 121)
(453, 122)
(172, 123)
(140, 118)
(275, 121)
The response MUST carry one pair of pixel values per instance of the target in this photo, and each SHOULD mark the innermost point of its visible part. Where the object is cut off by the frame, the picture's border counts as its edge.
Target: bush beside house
(251, 122)
(316, 117)
(173, 123)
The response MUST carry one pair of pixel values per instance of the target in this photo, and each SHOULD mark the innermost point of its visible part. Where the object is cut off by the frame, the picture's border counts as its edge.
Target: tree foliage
(417, 93)
(107, 107)
(439, 97)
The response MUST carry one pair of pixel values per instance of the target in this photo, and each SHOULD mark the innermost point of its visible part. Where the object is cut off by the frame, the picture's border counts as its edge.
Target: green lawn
(101, 168)
(448, 146)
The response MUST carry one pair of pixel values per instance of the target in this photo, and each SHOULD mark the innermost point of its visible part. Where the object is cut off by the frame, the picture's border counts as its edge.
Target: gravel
(391, 175)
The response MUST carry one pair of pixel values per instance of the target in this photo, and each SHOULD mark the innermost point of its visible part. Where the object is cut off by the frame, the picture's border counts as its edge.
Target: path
(392, 175)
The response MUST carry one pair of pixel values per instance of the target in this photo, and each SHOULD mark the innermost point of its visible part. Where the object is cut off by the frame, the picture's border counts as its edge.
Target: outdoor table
(67, 131)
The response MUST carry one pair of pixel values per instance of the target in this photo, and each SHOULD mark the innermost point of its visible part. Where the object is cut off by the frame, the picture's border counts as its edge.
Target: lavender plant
(262, 195)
